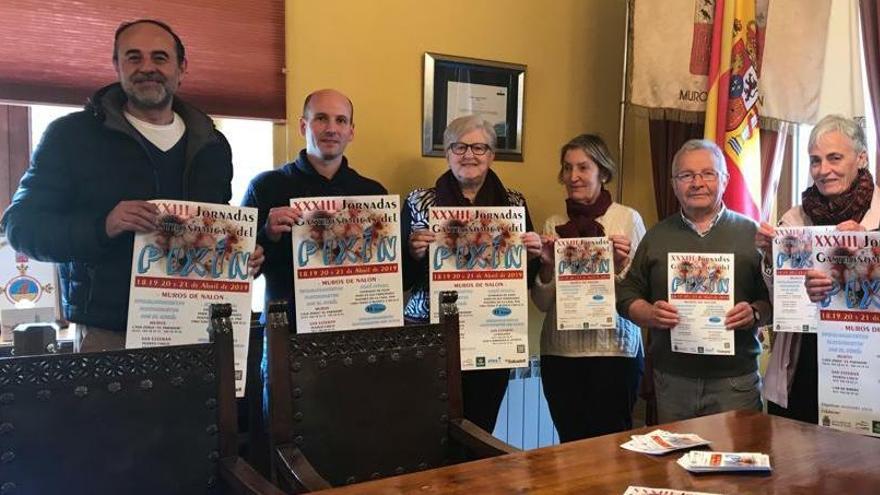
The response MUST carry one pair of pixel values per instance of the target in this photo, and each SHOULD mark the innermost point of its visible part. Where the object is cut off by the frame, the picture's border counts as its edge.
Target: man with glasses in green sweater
(691, 385)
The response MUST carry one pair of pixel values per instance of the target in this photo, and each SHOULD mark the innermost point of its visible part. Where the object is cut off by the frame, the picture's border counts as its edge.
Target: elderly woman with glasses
(470, 148)
(590, 377)
(844, 195)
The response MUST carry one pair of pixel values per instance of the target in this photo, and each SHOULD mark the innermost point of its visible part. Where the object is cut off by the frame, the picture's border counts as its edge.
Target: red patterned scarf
(582, 218)
(850, 205)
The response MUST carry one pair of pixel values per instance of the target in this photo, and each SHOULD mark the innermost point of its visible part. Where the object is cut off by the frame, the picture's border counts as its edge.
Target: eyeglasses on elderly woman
(476, 148)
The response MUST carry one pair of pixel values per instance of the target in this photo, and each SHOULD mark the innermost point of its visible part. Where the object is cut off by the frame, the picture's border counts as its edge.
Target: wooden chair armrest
(294, 468)
(478, 440)
(241, 478)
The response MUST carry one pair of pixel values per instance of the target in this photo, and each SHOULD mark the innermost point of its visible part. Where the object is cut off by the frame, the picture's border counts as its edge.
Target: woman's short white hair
(463, 125)
(843, 125)
(701, 144)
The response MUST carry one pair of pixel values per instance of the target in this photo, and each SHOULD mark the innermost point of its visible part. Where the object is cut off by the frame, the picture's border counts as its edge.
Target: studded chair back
(136, 421)
(366, 404)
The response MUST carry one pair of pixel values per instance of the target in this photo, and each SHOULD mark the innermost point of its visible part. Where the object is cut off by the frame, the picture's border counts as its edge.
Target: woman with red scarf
(843, 194)
(590, 377)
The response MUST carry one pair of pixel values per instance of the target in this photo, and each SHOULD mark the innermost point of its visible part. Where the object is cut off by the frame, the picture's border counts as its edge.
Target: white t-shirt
(163, 137)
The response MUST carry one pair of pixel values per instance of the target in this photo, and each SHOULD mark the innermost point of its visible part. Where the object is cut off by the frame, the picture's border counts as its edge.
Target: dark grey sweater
(647, 279)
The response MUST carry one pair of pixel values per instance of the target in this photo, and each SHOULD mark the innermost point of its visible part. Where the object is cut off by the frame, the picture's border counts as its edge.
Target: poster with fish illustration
(849, 331)
(478, 252)
(701, 288)
(346, 263)
(792, 258)
(198, 256)
(585, 284)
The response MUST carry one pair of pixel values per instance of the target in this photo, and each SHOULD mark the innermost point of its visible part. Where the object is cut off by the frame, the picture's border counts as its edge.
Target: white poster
(198, 256)
(478, 252)
(29, 288)
(585, 284)
(487, 102)
(849, 332)
(701, 288)
(792, 258)
(346, 272)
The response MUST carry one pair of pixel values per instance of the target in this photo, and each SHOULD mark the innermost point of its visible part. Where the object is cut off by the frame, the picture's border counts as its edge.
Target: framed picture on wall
(456, 86)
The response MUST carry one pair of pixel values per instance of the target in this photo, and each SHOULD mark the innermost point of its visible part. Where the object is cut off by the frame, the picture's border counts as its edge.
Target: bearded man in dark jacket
(85, 193)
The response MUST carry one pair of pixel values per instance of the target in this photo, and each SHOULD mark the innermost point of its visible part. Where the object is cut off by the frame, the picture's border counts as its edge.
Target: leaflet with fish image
(346, 263)
(793, 256)
(849, 331)
(585, 284)
(198, 256)
(478, 252)
(701, 288)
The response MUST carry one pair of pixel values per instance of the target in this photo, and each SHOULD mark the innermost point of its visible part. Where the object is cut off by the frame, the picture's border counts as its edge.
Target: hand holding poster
(585, 284)
(198, 256)
(849, 331)
(792, 257)
(701, 288)
(478, 252)
(346, 255)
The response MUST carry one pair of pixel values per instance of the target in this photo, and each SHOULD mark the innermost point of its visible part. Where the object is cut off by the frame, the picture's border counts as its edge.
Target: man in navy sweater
(321, 169)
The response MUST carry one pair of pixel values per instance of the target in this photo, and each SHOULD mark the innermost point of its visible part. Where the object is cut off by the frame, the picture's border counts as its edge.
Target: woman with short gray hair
(843, 194)
(470, 143)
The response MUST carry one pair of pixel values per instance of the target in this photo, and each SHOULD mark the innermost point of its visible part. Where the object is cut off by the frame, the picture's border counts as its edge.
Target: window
(801, 160)
(251, 142)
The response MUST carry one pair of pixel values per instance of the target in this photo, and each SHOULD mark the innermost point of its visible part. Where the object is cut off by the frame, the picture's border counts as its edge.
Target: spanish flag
(732, 105)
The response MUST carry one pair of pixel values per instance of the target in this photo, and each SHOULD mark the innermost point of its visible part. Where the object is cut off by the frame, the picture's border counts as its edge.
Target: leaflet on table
(641, 490)
(792, 258)
(849, 331)
(585, 284)
(478, 252)
(198, 256)
(346, 257)
(700, 461)
(701, 288)
(29, 288)
(659, 442)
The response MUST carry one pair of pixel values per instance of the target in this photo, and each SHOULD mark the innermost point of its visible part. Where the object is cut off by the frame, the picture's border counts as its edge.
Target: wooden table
(806, 459)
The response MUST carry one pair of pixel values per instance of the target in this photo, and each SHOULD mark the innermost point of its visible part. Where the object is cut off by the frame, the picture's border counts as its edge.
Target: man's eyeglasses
(476, 148)
(688, 177)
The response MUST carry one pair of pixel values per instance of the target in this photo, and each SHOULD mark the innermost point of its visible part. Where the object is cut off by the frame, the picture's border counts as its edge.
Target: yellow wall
(637, 178)
(372, 50)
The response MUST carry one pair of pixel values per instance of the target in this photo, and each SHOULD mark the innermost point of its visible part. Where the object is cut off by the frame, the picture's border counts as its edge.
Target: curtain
(60, 52)
(869, 11)
(773, 148)
(667, 136)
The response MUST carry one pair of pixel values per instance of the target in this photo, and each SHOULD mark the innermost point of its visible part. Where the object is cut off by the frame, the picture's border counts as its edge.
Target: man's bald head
(327, 93)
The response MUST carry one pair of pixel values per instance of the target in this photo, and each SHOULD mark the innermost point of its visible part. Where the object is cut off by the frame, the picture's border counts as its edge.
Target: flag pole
(621, 130)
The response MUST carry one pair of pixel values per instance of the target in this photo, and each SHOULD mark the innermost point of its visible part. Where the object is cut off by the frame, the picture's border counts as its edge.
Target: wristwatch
(756, 314)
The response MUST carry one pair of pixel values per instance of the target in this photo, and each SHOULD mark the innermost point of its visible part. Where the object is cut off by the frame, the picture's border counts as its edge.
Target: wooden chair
(135, 421)
(251, 415)
(351, 406)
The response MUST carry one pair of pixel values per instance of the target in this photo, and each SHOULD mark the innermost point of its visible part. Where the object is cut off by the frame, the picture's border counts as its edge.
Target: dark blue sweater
(274, 188)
